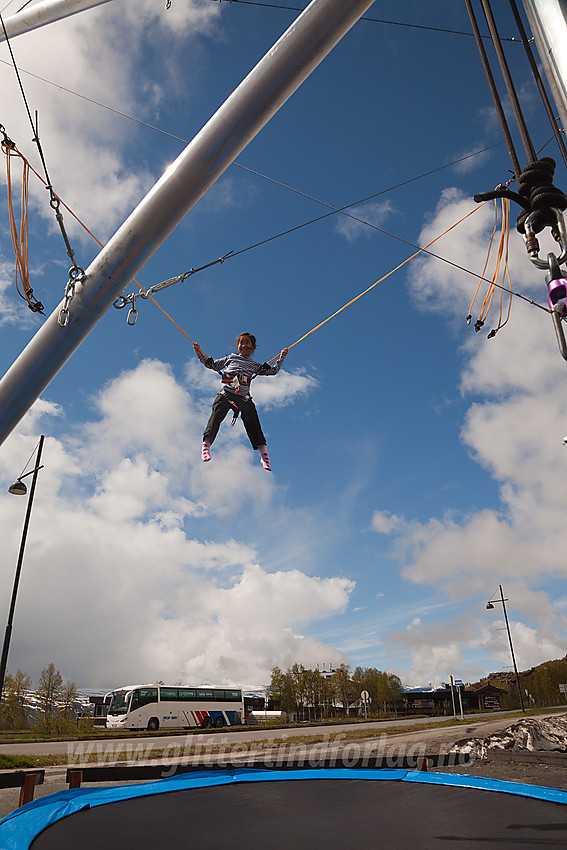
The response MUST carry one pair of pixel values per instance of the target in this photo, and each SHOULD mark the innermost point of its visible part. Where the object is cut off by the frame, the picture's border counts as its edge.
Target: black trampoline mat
(313, 813)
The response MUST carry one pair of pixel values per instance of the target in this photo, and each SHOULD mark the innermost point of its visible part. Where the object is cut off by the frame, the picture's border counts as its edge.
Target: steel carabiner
(557, 300)
(532, 244)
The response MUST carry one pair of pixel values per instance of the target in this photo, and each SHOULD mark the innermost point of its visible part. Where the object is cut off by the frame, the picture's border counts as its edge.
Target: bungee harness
(237, 381)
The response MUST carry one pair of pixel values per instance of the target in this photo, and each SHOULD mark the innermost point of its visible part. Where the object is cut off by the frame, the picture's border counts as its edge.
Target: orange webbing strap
(84, 226)
(502, 253)
(425, 247)
(19, 233)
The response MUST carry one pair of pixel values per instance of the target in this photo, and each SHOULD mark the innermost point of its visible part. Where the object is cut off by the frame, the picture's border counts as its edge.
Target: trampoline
(331, 808)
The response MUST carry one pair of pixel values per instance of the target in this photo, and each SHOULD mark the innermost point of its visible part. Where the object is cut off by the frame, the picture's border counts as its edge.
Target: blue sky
(416, 465)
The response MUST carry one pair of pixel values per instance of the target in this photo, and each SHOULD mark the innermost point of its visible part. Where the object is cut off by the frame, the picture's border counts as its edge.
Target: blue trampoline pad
(330, 808)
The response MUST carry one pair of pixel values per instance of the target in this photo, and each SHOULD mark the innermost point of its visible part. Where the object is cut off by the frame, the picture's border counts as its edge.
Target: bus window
(233, 696)
(204, 694)
(187, 693)
(143, 696)
(169, 694)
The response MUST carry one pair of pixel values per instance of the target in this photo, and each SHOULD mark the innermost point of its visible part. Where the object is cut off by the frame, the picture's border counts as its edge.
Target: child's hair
(250, 336)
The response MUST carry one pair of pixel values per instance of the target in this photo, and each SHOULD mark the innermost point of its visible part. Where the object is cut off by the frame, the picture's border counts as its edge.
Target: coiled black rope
(536, 187)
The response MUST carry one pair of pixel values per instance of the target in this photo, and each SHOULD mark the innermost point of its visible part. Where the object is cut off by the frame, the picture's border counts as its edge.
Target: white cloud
(384, 522)
(127, 576)
(471, 159)
(514, 428)
(87, 148)
(268, 391)
(284, 388)
(374, 212)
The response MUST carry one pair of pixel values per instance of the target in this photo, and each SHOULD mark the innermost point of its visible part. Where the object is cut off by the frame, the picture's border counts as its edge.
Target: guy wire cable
(363, 18)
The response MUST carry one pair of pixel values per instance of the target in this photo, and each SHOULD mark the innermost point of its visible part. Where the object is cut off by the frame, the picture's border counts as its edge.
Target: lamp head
(18, 488)
(489, 606)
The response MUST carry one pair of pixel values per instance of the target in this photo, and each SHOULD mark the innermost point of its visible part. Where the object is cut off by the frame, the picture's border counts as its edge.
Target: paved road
(250, 734)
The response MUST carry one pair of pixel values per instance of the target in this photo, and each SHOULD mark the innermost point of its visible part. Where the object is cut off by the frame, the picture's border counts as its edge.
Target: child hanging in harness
(237, 371)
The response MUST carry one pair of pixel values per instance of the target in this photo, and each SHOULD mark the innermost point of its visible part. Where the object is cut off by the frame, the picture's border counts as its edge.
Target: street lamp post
(489, 605)
(19, 489)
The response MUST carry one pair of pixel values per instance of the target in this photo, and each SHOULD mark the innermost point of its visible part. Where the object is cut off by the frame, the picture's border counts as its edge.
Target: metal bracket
(123, 300)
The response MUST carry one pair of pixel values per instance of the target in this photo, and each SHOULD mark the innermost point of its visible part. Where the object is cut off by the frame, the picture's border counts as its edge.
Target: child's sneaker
(206, 452)
(264, 459)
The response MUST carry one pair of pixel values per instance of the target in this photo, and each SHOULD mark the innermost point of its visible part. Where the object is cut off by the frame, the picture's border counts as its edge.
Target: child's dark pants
(225, 403)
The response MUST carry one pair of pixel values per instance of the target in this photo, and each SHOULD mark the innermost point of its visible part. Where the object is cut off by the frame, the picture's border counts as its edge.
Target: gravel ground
(531, 773)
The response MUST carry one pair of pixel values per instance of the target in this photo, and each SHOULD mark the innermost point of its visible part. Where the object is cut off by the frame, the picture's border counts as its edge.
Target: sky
(417, 465)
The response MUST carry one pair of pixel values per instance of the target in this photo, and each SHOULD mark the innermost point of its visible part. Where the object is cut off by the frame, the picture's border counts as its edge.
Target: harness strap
(235, 381)
(233, 404)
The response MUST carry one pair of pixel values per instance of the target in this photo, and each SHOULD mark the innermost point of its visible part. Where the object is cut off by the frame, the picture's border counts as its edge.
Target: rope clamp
(559, 233)
(6, 141)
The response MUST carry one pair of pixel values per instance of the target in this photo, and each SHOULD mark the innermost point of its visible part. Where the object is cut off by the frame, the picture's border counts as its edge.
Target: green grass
(18, 762)
(15, 762)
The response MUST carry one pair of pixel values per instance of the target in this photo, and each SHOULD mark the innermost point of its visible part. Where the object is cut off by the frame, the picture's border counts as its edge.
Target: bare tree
(13, 712)
(49, 688)
(68, 698)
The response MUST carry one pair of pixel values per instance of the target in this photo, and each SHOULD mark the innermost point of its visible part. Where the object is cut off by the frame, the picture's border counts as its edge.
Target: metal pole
(8, 632)
(510, 88)
(494, 91)
(452, 683)
(461, 702)
(511, 648)
(282, 70)
(539, 82)
(45, 13)
(548, 22)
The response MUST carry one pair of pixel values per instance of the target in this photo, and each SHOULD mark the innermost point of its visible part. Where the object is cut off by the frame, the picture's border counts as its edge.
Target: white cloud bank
(125, 576)
(87, 148)
(514, 427)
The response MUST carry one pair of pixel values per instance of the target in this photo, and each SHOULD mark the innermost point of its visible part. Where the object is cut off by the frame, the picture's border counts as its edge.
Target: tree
(396, 690)
(314, 688)
(299, 688)
(344, 686)
(13, 713)
(49, 688)
(280, 690)
(69, 695)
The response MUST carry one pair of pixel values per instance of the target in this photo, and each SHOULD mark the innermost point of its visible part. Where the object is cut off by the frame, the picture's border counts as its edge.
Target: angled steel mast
(44, 13)
(548, 21)
(282, 70)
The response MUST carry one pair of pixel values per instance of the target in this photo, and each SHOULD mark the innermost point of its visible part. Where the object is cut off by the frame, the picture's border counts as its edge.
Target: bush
(56, 724)
(85, 724)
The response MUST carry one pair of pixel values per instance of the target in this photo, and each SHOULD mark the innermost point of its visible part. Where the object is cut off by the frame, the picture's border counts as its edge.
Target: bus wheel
(153, 724)
(207, 722)
(219, 722)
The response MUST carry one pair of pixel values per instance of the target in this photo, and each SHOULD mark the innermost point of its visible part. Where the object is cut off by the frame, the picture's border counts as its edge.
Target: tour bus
(167, 706)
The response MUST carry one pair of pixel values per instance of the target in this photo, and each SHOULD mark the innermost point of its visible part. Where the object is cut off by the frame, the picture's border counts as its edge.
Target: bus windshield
(119, 702)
